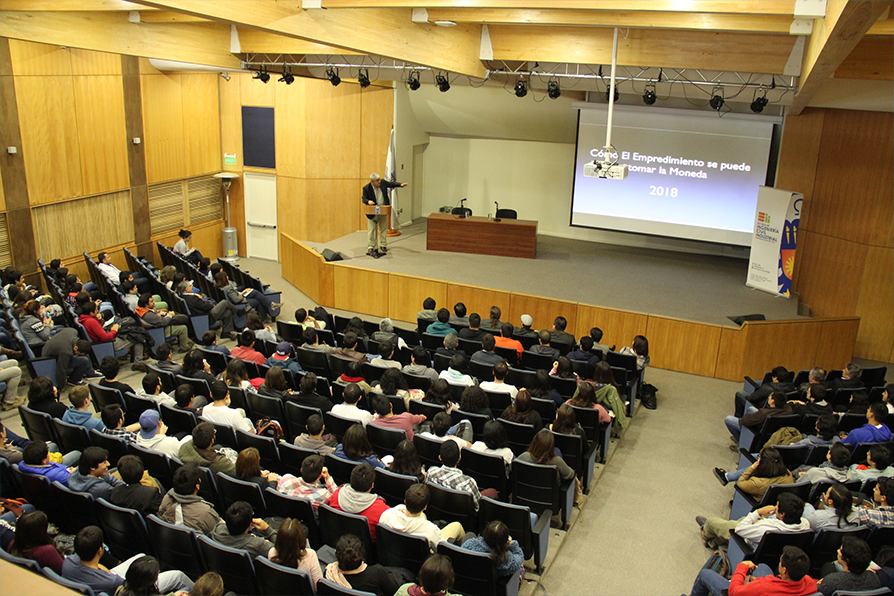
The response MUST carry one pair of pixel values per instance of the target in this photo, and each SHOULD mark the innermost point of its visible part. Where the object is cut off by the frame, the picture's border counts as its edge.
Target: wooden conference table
(482, 236)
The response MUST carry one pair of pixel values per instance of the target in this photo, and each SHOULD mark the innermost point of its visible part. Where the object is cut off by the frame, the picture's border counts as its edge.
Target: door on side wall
(261, 236)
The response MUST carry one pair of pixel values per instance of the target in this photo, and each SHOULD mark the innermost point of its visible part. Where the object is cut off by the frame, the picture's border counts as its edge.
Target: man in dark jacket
(198, 304)
(781, 381)
(376, 193)
(171, 323)
(753, 417)
(72, 357)
(134, 495)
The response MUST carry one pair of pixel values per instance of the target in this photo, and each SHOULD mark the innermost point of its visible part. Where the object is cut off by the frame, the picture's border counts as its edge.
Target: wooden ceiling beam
(383, 32)
(871, 60)
(162, 16)
(833, 39)
(254, 41)
(765, 7)
(201, 43)
(633, 19)
(67, 5)
(745, 52)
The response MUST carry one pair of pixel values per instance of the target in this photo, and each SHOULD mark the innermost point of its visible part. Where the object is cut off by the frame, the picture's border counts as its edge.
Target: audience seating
(156, 463)
(79, 508)
(399, 549)
(534, 541)
(36, 488)
(116, 447)
(769, 549)
(282, 505)
(475, 573)
(266, 447)
(278, 580)
(233, 489)
(420, 382)
(234, 565)
(291, 457)
(539, 487)
(744, 503)
(392, 486)
(296, 417)
(452, 505)
(330, 588)
(38, 425)
(335, 523)
(426, 409)
(337, 425)
(581, 460)
(177, 420)
(225, 435)
(67, 583)
(124, 531)
(340, 469)
(32, 565)
(176, 547)
(488, 470)
(477, 420)
(519, 435)
(428, 450)
(826, 543)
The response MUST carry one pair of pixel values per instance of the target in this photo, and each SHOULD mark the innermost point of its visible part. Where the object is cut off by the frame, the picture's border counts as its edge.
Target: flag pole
(391, 176)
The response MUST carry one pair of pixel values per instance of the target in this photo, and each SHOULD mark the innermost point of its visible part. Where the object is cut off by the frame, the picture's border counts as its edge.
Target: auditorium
(212, 212)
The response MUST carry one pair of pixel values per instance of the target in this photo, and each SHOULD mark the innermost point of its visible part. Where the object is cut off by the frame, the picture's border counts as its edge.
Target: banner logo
(763, 217)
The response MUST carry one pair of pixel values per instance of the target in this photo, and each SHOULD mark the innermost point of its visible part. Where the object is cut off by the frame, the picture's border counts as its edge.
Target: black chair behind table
(539, 487)
(176, 547)
(398, 549)
(428, 450)
(534, 541)
(477, 420)
(116, 447)
(392, 487)
(384, 441)
(177, 420)
(135, 406)
(291, 458)
(520, 377)
(234, 565)
(278, 580)
(426, 409)
(519, 435)
(80, 508)
(452, 505)
(156, 463)
(338, 425)
(498, 402)
(488, 470)
(475, 573)
(300, 508)
(506, 214)
(266, 447)
(421, 382)
(581, 460)
(233, 489)
(71, 437)
(124, 530)
(326, 587)
(339, 468)
(533, 361)
(297, 415)
(769, 549)
(826, 543)
(335, 523)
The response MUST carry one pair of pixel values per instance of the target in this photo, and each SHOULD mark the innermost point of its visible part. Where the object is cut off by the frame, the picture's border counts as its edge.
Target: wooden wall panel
(65, 229)
(477, 300)
(255, 93)
(543, 310)
(207, 237)
(798, 156)
(831, 273)
(2, 196)
(733, 343)
(836, 345)
(88, 62)
(291, 139)
(291, 206)
(875, 306)
(332, 196)
(792, 344)
(102, 138)
(844, 206)
(406, 294)
(333, 130)
(872, 59)
(230, 94)
(683, 345)
(38, 59)
(361, 290)
(376, 121)
(308, 271)
(618, 327)
(163, 127)
(201, 124)
(49, 138)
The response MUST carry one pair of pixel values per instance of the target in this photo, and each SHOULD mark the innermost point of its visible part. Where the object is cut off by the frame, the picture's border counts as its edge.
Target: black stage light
(759, 103)
(332, 75)
(262, 76)
(716, 102)
(521, 88)
(617, 95)
(413, 81)
(552, 89)
(649, 96)
(442, 83)
(363, 78)
(287, 77)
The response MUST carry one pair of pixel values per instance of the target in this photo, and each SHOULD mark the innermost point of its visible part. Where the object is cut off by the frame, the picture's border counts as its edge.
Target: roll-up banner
(774, 240)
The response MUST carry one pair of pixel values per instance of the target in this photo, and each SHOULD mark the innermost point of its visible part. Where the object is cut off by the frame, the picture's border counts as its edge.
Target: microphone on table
(462, 210)
(496, 218)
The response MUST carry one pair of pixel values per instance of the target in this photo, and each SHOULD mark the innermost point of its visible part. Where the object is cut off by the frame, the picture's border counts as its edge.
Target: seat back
(266, 447)
(300, 508)
(80, 508)
(769, 550)
(384, 440)
(156, 463)
(124, 530)
(135, 406)
(168, 379)
(770, 426)
(520, 377)
(71, 437)
(199, 386)
(67, 583)
(452, 505)
(820, 488)
(572, 448)
(534, 361)
(103, 396)
(291, 457)
(399, 549)
(794, 455)
(34, 487)
(546, 408)
(233, 489)
(474, 573)
(290, 332)
(478, 421)
(506, 214)
(874, 377)
(216, 360)
(421, 382)
(880, 536)
(426, 409)
(335, 523)
(498, 402)
(535, 486)
(338, 425)
(826, 543)
(279, 580)
(339, 468)
(116, 447)
(428, 450)
(234, 565)
(176, 547)
(518, 519)
(225, 435)
(771, 496)
(326, 587)
(519, 435)
(314, 361)
(30, 564)
(177, 420)
(38, 425)
(510, 355)
(488, 470)
(817, 455)
(297, 415)
(392, 486)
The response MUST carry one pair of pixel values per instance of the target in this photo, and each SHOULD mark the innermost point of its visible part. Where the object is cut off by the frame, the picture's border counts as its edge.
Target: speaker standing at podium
(376, 193)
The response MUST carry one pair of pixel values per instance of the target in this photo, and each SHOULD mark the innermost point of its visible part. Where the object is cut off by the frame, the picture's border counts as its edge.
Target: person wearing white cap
(525, 330)
(152, 435)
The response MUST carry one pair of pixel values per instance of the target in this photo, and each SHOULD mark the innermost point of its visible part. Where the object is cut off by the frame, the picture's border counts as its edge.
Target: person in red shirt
(92, 322)
(758, 580)
(504, 340)
(386, 418)
(245, 350)
(358, 498)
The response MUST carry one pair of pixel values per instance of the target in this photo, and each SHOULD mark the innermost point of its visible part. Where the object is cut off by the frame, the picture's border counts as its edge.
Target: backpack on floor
(648, 396)
(719, 562)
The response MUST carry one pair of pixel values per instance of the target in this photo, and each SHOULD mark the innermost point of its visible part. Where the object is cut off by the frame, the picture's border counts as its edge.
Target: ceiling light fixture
(413, 81)
(759, 103)
(442, 83)
(262, 76)
(717, 100)
(552, 89)
(332, 75)
(521, 87)
(287, 77)
(363, 78)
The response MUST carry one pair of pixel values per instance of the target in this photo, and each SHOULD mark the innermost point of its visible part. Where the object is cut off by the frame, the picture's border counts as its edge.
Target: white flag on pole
(391, 176)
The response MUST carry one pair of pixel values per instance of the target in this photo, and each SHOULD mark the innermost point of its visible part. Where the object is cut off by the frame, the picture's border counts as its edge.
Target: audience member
(542, 346)
(92, 475)
(455, 372)
(239, 529)
(220, 411)
(448, 475)
(883, 513)
(183, 506)
(837, 512)
(357, 497)
(854, 557)
(750, 579)
(313, 437)
(165, 359)
(496, 541)
(200, 450)
(410, 518)
(132, 494)
(441, 326)
(385, 416)
(406, 461)
(283, 358)
(874, 431)
(850, 378)
(32, 541)
(81, 411)
(486, 355)
(351, 571)
(522, 411)
(420, 364)
(314, 484)
(245, 348)
(499, 384)
(355, 447)
(451, 346)
(291, 550)
(473, 331)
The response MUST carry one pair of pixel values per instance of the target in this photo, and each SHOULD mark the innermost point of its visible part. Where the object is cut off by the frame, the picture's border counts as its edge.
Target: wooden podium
(383, 210)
